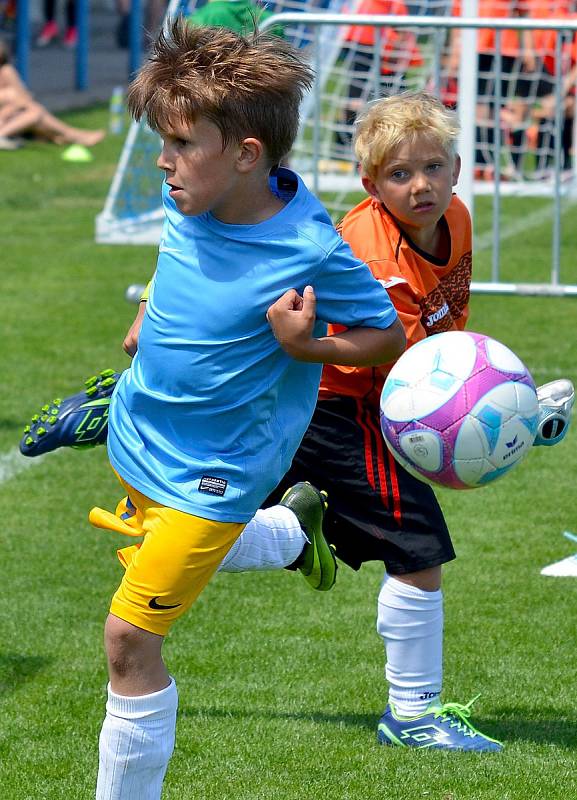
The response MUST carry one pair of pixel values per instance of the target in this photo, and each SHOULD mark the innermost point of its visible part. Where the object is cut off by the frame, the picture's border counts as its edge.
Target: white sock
(273, 539)
(136, 742)
(410, 621)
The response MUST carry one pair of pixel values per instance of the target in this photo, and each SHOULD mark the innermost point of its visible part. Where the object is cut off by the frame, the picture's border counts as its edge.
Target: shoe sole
(85, 424)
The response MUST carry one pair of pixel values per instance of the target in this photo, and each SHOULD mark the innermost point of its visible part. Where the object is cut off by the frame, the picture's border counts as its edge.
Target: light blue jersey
(212, 410)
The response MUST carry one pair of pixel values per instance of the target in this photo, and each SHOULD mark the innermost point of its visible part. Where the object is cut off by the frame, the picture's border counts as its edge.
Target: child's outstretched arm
(292, 319)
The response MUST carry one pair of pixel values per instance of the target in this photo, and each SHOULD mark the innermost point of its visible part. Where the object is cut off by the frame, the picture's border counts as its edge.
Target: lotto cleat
(78, 421)
(440, 727)
(555, 403)
(317, 562)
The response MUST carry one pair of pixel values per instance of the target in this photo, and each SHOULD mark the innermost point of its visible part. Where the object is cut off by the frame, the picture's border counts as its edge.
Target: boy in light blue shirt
(207, 419)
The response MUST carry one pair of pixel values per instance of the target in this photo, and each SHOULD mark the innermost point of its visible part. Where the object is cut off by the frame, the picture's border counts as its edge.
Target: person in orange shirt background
(399, 51)
(541, 119)
(518, 83)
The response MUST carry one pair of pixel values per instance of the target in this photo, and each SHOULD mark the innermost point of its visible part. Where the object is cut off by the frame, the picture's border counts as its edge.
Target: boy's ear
(250, 152)
(456, 169)
(370, 187)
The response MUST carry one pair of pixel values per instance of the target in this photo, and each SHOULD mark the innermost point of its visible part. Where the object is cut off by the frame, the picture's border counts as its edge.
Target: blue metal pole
(22, 38)
(135, 38)
(82, 45)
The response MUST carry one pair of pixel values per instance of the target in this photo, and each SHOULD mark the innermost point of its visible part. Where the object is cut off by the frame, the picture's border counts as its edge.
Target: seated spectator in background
(21, 113)
(50, 31)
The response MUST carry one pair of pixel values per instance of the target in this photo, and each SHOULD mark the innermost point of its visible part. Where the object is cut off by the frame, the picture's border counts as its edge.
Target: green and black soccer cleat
(317, 562)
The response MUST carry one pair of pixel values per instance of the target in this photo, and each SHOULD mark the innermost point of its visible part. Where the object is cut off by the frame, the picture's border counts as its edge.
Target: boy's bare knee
(428, 580)
(128, 648)
(119, 642)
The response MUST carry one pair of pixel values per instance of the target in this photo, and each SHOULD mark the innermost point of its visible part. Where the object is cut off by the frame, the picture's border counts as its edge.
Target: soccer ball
(459, 409)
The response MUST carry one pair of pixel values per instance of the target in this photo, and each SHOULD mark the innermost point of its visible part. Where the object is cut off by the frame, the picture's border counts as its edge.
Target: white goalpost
(346, 79)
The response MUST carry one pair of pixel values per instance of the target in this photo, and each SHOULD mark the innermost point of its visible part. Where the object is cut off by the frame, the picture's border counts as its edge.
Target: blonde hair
(388, 123)
(246, 85)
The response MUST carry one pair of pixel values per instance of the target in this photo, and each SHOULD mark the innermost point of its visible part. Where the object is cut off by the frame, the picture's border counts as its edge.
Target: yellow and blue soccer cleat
(78, 421)
(440, 727)
(317, 561)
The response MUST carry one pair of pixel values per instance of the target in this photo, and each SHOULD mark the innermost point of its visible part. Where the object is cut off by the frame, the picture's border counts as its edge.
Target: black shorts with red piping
(377, 511)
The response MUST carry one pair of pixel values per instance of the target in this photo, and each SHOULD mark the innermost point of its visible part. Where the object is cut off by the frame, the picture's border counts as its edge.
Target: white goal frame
(145, 228)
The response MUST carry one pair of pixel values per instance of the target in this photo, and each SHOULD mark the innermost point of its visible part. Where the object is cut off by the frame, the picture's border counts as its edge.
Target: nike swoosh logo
(163, 249)
(156, 605)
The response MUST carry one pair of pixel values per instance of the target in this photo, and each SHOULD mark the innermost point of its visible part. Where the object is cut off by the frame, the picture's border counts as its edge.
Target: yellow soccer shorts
(170, 567)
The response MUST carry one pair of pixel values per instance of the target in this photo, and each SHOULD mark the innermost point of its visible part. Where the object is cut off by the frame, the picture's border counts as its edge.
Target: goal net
(349, 75)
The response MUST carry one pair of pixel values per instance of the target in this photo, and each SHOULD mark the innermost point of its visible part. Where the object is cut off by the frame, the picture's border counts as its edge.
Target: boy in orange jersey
(416, 237)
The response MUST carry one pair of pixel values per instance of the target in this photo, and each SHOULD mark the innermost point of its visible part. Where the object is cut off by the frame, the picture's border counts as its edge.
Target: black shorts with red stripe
(377, 510)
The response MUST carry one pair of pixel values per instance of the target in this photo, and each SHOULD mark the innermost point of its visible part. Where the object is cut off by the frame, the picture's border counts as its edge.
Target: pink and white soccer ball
(459, 409)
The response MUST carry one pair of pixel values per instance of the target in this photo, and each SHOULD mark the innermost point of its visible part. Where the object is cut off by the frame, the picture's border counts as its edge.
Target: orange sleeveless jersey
(429, 297)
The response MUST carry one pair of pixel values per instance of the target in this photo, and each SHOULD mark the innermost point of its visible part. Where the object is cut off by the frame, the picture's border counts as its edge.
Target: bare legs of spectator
(27, 116)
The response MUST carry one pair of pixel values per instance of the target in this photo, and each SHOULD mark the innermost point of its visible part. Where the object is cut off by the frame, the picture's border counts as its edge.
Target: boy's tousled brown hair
(248, 86)
(391, 121)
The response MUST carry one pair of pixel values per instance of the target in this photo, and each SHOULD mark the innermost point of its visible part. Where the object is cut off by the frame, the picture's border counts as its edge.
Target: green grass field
(280, 687)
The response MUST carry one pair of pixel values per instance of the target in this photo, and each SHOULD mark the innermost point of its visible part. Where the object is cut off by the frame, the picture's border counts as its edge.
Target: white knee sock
(410, 621)
(136, 742)
(273, 539)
